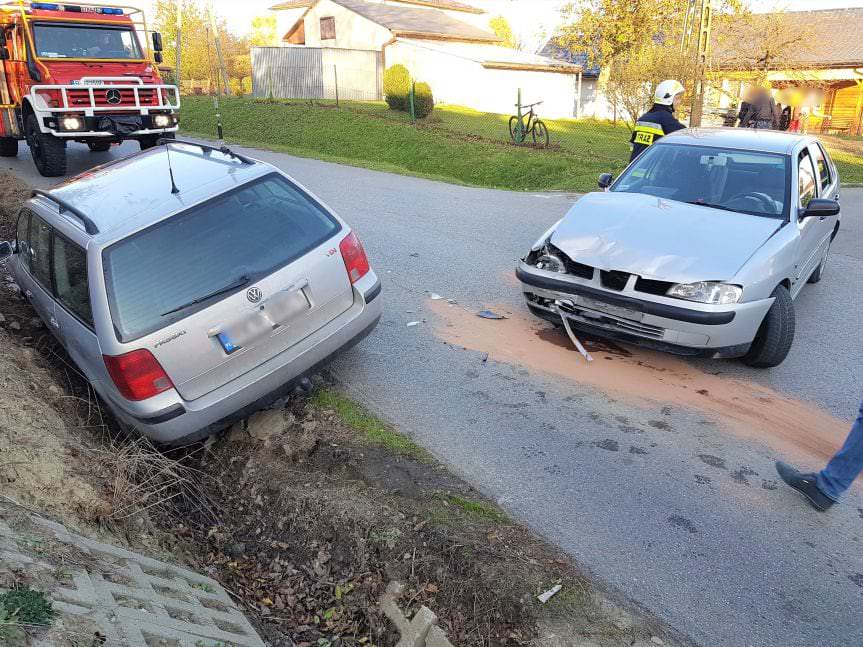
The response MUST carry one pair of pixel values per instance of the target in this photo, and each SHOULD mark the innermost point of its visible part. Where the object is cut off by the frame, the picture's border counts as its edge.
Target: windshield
(185, 263)
(746, 181)
(74, 41)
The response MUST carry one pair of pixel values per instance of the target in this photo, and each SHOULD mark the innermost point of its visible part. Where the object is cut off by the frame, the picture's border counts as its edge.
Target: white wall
(594, 103)
(352, 30)
(464, 82)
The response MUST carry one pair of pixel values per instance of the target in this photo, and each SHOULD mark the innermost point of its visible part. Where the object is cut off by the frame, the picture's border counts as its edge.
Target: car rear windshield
(78, 41)
(154, 276)
(745, 181)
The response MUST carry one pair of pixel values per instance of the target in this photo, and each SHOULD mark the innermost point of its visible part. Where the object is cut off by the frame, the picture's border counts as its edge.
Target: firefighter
(659, 120)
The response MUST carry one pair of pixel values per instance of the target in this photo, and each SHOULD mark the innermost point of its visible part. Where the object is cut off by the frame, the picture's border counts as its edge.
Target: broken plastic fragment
(411, 324)
(435, 297)
(545, 597)
(488, 314)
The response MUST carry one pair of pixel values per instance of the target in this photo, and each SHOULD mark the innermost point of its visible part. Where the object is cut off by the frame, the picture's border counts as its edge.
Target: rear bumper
(634, 317)
(178, 421)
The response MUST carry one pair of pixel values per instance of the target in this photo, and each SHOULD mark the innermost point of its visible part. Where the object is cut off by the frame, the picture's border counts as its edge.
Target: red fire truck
(79, 72)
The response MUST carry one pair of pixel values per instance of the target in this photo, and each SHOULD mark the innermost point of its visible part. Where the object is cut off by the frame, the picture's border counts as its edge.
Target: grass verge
(455, 144)
(445, 148)
(371, 429)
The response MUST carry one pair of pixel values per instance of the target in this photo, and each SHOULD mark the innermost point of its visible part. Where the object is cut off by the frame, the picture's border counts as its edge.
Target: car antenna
(174, 188)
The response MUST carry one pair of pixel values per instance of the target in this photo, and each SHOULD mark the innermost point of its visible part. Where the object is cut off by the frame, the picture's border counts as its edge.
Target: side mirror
(820, 208)
(4, 53)
(157, 56)
(157, 42)
(6, 251)
(605, 180)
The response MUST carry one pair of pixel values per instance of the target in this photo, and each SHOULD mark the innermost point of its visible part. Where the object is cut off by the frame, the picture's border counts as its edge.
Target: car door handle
(53, 321)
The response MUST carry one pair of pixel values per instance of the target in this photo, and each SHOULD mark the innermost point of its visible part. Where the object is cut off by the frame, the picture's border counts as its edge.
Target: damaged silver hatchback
(699, 247)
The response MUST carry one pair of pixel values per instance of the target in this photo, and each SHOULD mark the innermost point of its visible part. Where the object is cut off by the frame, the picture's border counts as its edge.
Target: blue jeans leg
(846, 465)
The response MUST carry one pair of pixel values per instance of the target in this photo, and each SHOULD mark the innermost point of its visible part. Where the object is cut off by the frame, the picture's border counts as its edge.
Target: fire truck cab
(79, 72)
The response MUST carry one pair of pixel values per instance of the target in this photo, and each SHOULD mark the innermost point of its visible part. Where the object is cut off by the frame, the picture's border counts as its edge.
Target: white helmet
(666, 91)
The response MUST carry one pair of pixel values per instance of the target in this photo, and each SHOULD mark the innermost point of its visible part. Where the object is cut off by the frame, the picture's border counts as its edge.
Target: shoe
(805, 484)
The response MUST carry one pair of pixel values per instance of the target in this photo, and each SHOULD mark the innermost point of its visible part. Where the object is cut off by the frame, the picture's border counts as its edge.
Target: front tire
(99, 146)
(49, 152)
(8, 147)
(776, 335)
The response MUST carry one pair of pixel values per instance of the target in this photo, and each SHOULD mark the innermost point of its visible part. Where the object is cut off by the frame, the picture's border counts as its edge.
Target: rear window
(250, 231)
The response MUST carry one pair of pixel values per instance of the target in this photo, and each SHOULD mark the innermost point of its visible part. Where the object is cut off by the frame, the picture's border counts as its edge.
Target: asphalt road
(663, 490)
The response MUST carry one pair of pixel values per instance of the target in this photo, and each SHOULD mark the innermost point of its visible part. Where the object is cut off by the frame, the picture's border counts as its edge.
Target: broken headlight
(707, 292)
(550, 262)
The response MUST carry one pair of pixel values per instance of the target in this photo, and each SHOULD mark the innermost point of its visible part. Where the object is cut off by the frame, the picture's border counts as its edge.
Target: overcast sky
(529, 18)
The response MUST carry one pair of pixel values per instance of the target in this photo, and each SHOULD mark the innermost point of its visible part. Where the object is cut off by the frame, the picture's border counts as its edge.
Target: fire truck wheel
(148, 141)
(8, 147)
(99, 146)
(49, 152)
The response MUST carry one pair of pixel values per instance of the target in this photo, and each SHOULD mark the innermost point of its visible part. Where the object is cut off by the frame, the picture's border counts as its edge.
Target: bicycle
(531, 125)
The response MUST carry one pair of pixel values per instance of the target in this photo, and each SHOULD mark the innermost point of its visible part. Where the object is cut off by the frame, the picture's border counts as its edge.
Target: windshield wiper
(240, 282)
(712, 206)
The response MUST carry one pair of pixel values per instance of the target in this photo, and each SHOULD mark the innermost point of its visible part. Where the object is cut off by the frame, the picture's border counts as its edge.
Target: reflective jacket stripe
(649, 127)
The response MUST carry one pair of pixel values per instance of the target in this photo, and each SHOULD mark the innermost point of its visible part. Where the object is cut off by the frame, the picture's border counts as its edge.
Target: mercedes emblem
(113, 96)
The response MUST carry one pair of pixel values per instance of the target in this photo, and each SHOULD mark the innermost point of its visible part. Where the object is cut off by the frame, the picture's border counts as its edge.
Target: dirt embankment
(749, 410)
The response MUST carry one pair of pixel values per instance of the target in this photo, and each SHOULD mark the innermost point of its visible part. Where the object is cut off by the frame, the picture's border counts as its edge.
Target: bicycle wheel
(540, 134)
(513, 130)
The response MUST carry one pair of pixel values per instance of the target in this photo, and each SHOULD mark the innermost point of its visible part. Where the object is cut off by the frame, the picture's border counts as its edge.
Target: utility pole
(179, 56)
(215, 28)
(702, 51)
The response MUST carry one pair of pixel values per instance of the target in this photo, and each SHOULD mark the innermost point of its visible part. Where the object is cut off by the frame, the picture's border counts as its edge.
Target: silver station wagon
(699, 247)
(192, 285)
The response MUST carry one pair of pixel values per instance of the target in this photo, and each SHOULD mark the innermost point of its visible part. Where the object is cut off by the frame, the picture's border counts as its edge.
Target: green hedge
(423, 100)
(397, 84)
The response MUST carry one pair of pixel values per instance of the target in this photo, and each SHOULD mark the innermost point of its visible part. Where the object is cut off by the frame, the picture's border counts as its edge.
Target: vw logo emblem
(253, 294)
(113, 96)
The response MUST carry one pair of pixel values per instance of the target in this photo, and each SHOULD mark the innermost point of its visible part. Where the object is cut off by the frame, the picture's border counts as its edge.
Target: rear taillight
(138, 375)
(354, 256)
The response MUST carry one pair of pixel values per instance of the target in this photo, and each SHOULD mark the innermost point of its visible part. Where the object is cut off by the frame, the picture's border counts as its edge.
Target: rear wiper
(713, 206)
(240, 282)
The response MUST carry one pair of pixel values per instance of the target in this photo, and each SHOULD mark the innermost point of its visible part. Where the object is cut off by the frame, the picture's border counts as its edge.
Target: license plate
(87, 82)
(276, 312)
(607, 308)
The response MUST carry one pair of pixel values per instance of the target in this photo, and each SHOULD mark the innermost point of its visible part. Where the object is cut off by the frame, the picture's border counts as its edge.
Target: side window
(328, 28)
(70, 277)
(22, 238)
(40, 251)
(806, 177)
(822, 166)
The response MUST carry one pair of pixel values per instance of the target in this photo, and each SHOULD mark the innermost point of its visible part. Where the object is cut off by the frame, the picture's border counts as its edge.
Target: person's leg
(846, 465)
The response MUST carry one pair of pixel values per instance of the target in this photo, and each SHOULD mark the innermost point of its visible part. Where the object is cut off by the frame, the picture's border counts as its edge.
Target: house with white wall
(445, 43)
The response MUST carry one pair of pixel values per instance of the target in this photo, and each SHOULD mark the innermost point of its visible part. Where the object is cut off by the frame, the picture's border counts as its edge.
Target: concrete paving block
(137, 601)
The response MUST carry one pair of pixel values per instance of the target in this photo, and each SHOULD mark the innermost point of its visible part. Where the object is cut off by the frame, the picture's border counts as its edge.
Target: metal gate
(316, 73)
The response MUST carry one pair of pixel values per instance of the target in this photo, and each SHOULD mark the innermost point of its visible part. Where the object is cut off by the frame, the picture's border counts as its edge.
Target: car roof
(767, 141)
(126, 195)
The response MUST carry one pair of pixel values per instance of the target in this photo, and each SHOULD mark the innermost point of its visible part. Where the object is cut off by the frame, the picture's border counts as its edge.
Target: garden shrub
(397, 83)
(423, 100)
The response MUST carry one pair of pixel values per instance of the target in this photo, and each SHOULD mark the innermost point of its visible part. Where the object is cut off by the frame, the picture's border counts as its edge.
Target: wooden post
(177, 73)
(578, 98)
(215, 28)
(519, 127)
(859, 109)
(336, 81)
(411, 96)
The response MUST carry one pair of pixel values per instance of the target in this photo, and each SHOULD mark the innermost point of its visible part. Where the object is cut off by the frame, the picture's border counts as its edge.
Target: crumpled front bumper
(658, 322)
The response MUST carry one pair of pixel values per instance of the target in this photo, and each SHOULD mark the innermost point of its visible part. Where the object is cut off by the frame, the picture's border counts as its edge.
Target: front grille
(81, 98)
(614, 279)
(650, 286)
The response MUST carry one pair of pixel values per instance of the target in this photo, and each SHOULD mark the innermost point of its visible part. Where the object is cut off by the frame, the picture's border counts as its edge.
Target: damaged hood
(660, 239)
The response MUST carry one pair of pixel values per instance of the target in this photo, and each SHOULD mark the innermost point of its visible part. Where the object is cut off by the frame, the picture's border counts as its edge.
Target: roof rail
(89, 226)
(224, 150)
